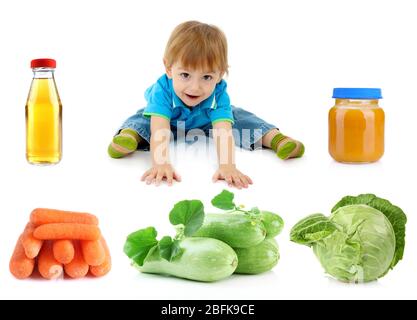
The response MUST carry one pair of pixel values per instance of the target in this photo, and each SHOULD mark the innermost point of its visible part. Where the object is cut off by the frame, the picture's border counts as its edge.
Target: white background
(285, 58)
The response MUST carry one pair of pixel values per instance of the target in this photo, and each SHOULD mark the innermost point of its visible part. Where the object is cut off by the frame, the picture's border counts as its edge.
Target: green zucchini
(238, 230)
(202, 259)
(273, 223)
(258, 259)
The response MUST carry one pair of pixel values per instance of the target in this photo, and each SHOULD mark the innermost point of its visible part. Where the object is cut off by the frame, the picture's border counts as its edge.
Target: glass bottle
(43, 115)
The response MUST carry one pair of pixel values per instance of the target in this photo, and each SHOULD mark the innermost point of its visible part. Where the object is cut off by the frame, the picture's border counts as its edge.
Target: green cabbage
(360, 242)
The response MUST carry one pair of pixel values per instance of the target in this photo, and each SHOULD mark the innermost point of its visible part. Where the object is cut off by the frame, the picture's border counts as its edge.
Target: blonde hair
(197, 45)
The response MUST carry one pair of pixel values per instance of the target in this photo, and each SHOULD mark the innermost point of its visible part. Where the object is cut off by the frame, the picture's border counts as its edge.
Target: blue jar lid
(357, 93)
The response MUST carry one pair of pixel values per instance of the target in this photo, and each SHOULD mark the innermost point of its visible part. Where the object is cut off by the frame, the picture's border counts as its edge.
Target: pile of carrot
(59, 241)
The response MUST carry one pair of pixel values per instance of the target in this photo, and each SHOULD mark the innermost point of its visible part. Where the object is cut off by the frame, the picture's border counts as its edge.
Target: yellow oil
(43, 123)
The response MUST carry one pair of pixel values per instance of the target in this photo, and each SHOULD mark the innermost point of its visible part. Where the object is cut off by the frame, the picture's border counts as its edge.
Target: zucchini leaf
(224, 200)
(139, 243)
(169, 249)
(312, 229)
(394, 214)
(189, 214)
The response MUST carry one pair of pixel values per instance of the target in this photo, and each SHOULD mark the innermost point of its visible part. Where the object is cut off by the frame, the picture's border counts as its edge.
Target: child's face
(193, 86)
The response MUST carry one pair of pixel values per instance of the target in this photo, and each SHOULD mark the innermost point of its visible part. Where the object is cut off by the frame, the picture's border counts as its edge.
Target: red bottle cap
(43, 63)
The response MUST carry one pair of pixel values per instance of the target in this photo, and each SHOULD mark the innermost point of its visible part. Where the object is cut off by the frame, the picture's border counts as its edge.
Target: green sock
(124, 143)
(287, 148)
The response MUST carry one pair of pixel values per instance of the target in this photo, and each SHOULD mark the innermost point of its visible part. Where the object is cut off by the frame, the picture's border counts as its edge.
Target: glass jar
(356, 125)
(43, 115)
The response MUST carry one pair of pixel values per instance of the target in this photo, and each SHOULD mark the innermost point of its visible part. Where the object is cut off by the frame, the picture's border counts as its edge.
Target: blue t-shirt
(162, 101)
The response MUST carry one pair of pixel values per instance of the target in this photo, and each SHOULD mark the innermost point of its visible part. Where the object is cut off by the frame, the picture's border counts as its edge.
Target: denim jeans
(248, 129)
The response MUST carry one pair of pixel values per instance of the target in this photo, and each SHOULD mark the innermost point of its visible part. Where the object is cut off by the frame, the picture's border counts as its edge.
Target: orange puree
(356, 131)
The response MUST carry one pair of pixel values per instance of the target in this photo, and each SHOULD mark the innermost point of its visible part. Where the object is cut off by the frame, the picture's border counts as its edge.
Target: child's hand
(161, 172)
(232, 176)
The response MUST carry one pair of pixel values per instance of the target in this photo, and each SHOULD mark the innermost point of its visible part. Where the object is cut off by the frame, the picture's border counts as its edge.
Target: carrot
(104, 268)
(48, 266)
(64, 231)
(77, 268)
(41, 216)
(20, 265)
(63, 251)
(31, 245)
(93, 252)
